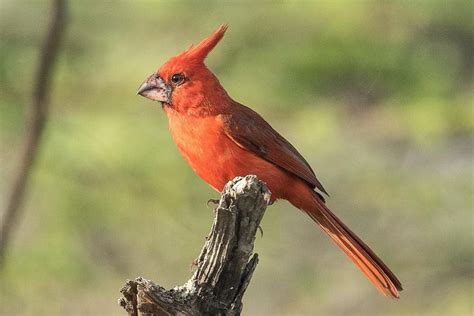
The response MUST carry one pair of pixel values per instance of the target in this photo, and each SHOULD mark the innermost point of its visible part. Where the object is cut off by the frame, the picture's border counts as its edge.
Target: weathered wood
(224, 267)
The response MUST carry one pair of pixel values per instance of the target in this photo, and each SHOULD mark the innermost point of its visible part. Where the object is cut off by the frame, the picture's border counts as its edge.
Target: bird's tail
(364, 258)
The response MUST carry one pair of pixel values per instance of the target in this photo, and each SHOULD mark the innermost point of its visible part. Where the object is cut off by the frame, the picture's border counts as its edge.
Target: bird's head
(184, 83)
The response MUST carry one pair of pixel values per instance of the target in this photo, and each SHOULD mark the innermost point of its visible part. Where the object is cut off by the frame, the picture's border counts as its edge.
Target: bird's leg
(193, 265)
(213, 201)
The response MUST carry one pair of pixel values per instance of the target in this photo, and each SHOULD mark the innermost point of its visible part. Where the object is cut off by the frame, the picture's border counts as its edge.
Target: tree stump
(224, 267)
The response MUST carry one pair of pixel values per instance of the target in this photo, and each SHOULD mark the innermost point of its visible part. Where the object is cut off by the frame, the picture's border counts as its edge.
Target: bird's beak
(156, 89)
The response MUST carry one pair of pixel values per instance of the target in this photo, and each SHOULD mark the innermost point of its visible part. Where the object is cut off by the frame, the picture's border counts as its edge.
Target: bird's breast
(205, 146)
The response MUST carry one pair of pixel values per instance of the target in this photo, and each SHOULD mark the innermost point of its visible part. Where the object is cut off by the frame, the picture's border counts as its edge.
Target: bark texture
(224, 267)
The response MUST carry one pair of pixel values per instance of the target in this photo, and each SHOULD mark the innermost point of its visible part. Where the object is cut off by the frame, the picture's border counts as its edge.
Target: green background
(375, 94)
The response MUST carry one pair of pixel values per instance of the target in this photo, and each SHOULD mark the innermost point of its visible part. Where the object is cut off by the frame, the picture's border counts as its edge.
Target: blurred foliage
(376, 94)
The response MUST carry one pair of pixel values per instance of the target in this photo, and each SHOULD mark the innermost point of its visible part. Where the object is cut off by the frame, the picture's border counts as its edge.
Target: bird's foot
(213, 201)
(193, 265)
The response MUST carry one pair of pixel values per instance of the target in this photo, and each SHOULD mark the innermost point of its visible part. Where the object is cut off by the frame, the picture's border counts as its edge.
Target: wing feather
(251, 132)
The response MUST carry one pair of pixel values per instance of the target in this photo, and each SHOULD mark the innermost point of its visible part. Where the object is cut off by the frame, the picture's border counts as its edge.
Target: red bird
(222, 139)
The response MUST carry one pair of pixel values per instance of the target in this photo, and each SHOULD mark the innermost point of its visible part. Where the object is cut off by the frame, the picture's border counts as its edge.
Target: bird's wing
(251, 132)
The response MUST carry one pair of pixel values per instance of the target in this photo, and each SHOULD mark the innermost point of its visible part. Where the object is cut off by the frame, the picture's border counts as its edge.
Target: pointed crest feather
(200, 51)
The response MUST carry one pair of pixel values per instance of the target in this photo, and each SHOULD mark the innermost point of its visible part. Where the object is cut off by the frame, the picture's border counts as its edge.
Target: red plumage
(222, 139)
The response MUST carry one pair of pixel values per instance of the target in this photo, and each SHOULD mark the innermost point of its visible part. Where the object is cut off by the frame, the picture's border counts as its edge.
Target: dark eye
(177, 78)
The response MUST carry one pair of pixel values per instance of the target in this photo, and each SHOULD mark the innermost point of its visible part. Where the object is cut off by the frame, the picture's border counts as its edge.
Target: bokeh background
(376, 94)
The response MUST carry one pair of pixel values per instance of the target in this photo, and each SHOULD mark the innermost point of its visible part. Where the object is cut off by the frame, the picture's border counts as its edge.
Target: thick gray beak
(155, 88)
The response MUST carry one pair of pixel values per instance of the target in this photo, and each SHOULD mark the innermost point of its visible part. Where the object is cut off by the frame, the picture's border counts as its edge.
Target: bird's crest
(199, 52)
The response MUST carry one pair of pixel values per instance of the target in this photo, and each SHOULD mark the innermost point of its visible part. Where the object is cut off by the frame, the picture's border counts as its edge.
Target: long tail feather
(364, 258)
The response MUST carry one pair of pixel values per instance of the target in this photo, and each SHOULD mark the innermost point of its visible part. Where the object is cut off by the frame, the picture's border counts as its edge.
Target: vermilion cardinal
(221, 139)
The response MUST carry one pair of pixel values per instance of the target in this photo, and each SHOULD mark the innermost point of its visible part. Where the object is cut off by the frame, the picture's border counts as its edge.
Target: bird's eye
(177, 78)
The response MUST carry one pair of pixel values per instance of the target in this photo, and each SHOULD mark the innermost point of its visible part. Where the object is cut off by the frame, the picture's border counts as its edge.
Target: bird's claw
(213, 201)
(193, 265)
(261, 231)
